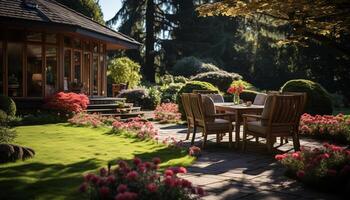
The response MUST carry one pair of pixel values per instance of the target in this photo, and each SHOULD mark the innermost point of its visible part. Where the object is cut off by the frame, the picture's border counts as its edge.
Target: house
(46, 47)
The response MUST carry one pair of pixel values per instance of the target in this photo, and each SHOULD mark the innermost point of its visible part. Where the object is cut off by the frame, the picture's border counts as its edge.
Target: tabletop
(239, 106)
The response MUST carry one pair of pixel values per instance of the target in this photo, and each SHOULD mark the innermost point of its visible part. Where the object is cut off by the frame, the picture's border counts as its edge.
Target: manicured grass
(64, 154)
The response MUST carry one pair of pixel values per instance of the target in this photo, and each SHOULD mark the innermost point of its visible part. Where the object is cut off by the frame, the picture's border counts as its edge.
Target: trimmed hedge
(191, 66)
(318, 99)
(220, 79)
(189, 87)
(8, 105)
(146, 99)
(246, 95)
(169, 93)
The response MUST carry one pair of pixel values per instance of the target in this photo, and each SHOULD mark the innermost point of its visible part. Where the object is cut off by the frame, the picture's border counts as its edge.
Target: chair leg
(230, 139)
(218, 138)
(256, 139)
(270, 141)
(281, 140)
(188, 132)
(296, 142)
(194, 134)
(204, 142)
(244, 145)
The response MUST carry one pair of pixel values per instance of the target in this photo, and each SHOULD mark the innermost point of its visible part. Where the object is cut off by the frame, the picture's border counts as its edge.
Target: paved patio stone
(232, 174)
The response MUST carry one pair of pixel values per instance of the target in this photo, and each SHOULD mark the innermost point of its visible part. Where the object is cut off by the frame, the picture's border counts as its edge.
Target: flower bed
(138, 127)
(67, 102)
(141, 180)
(327, 167)
(94, 120)
(167, 113)
(336, 128)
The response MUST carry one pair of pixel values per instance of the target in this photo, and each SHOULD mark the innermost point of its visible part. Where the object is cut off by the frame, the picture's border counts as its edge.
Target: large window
(67, 67)
(102, 74)
(15, 69)
(77, 67)
(1, 69)
(51, 70)
(95, 74)
(86, 72)
(34, 71)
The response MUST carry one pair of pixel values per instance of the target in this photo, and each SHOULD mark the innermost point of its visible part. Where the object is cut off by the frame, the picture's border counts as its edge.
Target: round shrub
(124, 70)
(191, 66)
(169, 93)
(3, 117)
(146, 99)
(220, 79)
(318, 99)
(180, 79)
(8, 105)
(189, 87)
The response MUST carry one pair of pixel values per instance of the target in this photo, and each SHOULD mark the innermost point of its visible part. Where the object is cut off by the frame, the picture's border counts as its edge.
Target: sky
(110, 8)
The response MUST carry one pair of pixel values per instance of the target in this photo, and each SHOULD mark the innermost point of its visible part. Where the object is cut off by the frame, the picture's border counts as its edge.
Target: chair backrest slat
(196, 107)
(186, 103)
(286, 108)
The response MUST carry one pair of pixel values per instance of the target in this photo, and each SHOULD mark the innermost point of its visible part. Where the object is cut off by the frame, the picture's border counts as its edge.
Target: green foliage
(7, 135)
(169, 92)
(191, 66)
(189, 87)
(89, 8)
(3, 117)
(318, 99)
(145, 98)
(180, 79)
(65, 153)
(124, 70)
(8, 105)
(220, 79)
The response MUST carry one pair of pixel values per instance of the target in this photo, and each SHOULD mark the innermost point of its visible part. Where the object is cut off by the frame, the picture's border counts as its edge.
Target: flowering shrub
(141, 180)
(326, 126)
(67, 102)
(172, 142)
(167, 113)
(328, 166)
(194, 151)
(140, 128)
(94, 120)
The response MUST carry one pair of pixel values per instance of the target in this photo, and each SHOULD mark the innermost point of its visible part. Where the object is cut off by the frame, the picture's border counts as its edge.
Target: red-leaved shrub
(326, 167)
(67, 102)
(140, 180)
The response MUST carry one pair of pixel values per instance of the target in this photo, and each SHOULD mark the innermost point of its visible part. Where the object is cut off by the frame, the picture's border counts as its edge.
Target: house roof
(51, 12)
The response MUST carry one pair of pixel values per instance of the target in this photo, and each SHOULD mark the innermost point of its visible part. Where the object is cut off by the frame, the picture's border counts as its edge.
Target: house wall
(38, 63)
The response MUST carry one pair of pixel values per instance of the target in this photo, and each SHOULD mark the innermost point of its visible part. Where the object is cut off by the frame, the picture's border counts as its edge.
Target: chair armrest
(252, 116)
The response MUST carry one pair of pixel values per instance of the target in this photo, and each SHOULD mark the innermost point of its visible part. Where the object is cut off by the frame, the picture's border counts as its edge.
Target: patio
(231, 174)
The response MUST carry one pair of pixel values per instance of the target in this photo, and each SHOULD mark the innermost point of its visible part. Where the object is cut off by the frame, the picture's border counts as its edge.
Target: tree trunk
(149, 69)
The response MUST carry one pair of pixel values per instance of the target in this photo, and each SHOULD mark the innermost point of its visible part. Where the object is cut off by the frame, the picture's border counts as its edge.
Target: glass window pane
(95, 48)
(77, 67)
(15, 69)
(51, 70)
(102, 74)
(34, 37)
(76, 43)
(101, 48)
(67, 41)
(1, 69)
(95, 74)
(67, 68)
(51, 38)
(34, 71)
(86, 46)
(86, 72)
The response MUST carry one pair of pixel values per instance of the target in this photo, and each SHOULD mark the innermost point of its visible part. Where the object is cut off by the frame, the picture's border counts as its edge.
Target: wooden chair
(280, 118)
(205, 117)
(186, 103)
(260, 99)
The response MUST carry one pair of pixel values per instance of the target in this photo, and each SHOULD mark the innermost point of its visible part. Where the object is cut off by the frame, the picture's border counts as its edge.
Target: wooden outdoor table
(238, 110)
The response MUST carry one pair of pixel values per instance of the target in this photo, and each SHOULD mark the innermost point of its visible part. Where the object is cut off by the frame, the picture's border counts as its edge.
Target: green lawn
(64, 153)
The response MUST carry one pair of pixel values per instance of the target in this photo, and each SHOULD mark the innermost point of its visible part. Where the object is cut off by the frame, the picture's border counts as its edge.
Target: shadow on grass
(46, 181)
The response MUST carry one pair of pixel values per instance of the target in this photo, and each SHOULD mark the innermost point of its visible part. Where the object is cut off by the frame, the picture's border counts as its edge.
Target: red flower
(156, 161)
(88, 177)
(137, 161)
(131, 176)
(324, 156)
(126, 196)
(111, 179)
(122, 164)
(122, 188)
(169, 181)
(300, 174)
(182, 170)
(103, 171)
(280, 157)
(186, 184)
(148, 165)
(169, 172)
(83, 187)
(104, 192)
(200, 191)
(152, 187)
(296, 155)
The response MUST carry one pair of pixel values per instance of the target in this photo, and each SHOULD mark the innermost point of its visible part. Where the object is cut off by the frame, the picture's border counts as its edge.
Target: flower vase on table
(236, 89)
(236, 99)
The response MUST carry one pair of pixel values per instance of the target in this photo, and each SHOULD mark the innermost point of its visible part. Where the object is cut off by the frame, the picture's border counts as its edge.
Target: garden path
(233, 174)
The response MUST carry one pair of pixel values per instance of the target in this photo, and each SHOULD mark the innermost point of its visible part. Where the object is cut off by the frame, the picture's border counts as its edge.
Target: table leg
(237, 127)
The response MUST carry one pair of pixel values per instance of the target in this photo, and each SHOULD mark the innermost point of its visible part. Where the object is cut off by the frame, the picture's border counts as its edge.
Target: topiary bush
(12, 152)
(7, 135)
(169, 92)
(191, 66)
(124, 70)
(318, 99)
(3, 117)
(146, 99)
(220, 79)
(189, 87)
(8, 105)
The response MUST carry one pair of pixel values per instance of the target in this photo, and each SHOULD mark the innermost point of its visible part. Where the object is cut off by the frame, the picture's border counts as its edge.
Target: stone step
(114, 110)
(111, 105)
(105, 100)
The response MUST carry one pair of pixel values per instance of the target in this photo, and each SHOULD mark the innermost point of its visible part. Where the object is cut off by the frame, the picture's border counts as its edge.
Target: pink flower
(103, 171)
(156, 161)
(280, 157)
(122, 164)
(200, 191)
(122, 188)
(137, 161)
(126, 196)
(182, 170)
(324, 156)
(296, 155)
(169, 181)
(111, 179)
(131, 176)
(169, 172)
(152, 187)
(104, 192)
(186, 184)
(88, 177)
(83, 187)
(300, 174)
